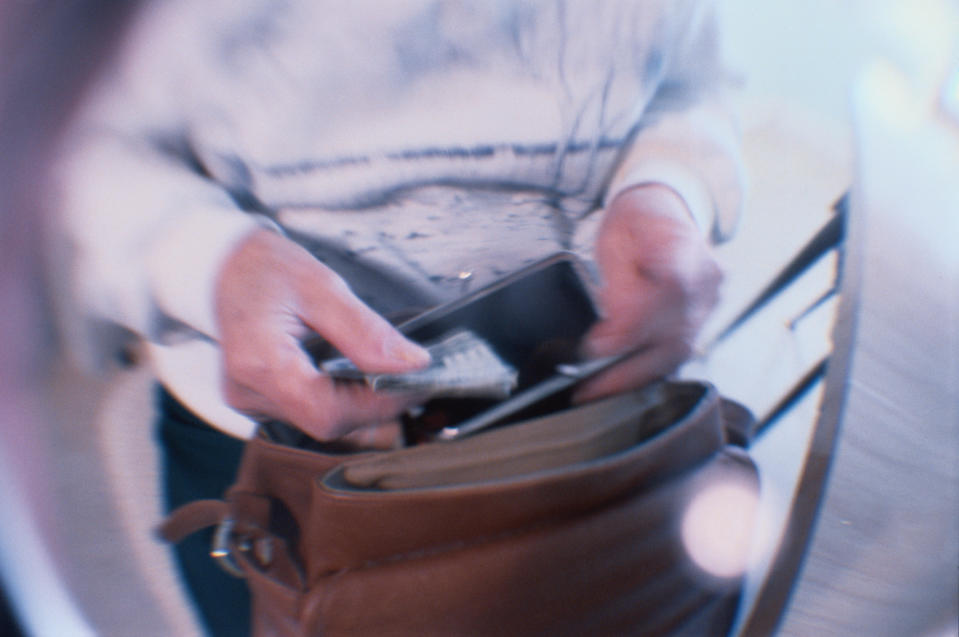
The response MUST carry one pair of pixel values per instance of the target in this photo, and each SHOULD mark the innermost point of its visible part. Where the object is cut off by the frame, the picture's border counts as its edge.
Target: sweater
(446, 143)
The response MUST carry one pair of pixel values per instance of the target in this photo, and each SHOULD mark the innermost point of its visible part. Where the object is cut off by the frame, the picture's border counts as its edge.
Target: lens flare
(717, 528)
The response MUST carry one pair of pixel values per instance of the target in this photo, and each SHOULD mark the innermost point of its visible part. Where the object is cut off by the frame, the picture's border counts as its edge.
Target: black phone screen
(534, 319)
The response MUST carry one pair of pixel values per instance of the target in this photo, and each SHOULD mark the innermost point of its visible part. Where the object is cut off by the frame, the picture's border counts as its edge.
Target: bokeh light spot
(717, 528)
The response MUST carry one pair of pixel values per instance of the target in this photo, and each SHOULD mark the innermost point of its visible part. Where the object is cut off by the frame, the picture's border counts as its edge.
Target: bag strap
(738, 422)
(192, 517)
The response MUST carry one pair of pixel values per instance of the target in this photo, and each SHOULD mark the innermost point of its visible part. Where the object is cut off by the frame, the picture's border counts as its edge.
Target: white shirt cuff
(675, 176)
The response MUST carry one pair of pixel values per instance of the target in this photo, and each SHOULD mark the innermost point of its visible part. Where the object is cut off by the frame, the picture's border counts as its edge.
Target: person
(250, 173)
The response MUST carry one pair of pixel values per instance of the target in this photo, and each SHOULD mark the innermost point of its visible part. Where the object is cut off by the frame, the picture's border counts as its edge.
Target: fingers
(386, 436)
(317, 405)
(269, 291)
(639, 370)
(351, 406)
(330, 308)
(660, 282)
(282, 383)
(631, 318)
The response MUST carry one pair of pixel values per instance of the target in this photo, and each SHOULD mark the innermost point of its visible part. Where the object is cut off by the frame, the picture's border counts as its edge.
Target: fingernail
(411, 353)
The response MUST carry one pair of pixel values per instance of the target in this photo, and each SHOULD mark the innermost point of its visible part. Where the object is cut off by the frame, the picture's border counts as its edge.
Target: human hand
(270, 294)
(660, 282)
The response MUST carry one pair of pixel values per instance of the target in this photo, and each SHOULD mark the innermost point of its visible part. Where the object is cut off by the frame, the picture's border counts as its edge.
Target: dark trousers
(199, 462)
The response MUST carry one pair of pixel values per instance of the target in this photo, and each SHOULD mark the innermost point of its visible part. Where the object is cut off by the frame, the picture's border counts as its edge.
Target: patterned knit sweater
(434, 140)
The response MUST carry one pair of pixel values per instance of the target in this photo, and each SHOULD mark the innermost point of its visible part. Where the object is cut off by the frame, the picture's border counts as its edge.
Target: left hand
(660, 283)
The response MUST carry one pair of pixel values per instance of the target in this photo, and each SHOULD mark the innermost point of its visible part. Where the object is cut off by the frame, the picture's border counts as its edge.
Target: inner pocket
(574, 436)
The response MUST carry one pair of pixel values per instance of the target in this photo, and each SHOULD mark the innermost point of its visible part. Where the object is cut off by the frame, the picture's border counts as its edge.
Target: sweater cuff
(184, 264)
(673, 175)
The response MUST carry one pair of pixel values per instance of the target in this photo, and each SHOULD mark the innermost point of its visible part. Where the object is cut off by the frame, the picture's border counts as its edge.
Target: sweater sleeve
(139, 230)
(688, 137)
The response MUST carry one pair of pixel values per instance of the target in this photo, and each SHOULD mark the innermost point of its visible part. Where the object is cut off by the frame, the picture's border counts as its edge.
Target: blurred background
(860, 472)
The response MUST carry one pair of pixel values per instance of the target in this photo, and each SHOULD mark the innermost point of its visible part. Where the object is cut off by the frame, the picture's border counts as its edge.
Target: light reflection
(717, 528)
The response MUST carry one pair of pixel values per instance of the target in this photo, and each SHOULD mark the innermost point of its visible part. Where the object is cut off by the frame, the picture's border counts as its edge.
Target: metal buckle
(221, 551)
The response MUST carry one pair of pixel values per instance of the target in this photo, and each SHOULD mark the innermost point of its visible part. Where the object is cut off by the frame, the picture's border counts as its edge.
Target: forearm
(688, 138)
(138, 227)
(138, 237)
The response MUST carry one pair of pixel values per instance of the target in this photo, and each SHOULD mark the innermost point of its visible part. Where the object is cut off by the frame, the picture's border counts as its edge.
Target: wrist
(654, 200)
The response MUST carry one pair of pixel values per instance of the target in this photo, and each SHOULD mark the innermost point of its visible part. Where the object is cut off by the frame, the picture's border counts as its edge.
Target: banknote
(463, 365)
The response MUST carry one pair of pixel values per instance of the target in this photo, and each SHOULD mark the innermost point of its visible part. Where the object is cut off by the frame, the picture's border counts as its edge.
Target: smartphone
(534, 319)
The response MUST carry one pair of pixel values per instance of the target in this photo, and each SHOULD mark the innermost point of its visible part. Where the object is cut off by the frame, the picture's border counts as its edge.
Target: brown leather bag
(567, 524)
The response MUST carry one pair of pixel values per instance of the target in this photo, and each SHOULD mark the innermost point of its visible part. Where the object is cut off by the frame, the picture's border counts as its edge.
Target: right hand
(270, 294)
